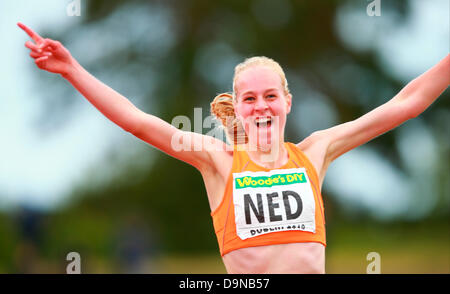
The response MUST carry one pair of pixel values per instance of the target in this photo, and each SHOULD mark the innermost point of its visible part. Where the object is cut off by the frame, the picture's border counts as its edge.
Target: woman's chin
(263, 138)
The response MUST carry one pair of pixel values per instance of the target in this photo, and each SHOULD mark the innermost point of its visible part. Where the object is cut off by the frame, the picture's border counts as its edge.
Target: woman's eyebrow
(265, 91)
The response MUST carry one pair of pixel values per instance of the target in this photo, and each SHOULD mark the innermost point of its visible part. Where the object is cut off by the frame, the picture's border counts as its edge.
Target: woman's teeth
(263, 122)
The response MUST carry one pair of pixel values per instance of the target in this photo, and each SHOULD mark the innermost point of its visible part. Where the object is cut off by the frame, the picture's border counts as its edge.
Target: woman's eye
(271, 96)
(249, 98)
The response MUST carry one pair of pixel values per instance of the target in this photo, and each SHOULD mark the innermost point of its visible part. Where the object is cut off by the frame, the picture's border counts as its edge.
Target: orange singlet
(265, 207)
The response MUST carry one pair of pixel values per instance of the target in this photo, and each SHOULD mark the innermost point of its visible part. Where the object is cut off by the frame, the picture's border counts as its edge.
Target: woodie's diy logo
(275, 180)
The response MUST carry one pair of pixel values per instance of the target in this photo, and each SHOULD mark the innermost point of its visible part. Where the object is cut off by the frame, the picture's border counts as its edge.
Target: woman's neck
(275, 157)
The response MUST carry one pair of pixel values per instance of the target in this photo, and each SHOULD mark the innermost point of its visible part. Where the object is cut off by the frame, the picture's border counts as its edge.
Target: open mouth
(263, 122)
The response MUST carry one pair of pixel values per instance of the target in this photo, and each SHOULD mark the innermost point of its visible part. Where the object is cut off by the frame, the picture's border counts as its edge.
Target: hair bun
(222, 107)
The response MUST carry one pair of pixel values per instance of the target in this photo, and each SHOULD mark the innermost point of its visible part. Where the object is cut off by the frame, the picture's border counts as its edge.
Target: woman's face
(261, 105)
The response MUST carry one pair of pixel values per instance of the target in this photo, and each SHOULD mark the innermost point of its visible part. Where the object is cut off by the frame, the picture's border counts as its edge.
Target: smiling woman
(264, 193)
(238, 122)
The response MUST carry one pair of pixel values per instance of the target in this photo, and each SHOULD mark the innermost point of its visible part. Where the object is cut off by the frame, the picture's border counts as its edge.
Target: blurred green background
(134, 209)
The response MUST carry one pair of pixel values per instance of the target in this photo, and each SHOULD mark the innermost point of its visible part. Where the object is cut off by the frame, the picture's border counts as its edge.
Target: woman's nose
(260, 105)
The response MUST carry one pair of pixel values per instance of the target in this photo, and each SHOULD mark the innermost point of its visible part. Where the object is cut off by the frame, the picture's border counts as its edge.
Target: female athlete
(264, 193)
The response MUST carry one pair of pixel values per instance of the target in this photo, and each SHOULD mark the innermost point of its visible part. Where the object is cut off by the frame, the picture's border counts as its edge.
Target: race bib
(274, 201)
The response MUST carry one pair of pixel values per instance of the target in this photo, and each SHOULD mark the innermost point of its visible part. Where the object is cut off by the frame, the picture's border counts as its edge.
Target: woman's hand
(48, 54)
(52, 56)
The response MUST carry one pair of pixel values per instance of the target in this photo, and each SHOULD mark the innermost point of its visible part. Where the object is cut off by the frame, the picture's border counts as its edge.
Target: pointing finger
(30, 32)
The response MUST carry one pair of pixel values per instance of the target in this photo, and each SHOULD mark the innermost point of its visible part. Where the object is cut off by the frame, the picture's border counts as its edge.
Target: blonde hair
(222, 106)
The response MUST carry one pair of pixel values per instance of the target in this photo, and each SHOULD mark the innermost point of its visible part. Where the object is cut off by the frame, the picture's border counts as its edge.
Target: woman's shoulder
(315, 147)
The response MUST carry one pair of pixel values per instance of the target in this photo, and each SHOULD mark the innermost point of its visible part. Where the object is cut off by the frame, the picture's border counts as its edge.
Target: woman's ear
(288, 103)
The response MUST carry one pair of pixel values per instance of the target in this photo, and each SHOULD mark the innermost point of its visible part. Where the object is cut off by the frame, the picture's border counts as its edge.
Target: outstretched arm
(52, 56)
(411, 101)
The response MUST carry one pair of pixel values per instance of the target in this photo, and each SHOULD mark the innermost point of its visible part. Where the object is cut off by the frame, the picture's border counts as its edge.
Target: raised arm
(411, 101)
(52, 56)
